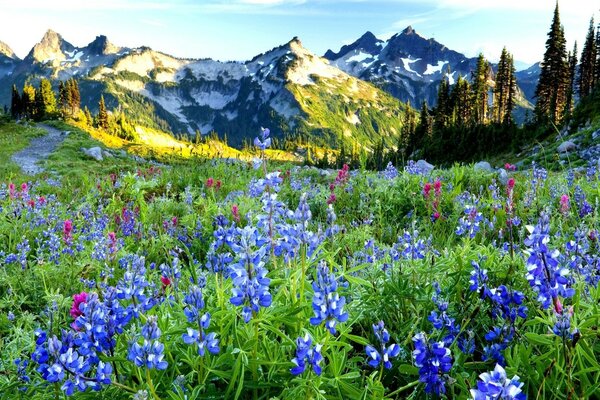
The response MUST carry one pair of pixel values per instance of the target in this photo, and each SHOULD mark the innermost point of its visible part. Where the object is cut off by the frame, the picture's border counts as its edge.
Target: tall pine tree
(443, 108)
(553, 85)
(587, 68)
(47, 98)
(16, 105)
(480, 91)
(102, 115)
(28, 101)
(462, 103)
(512, 91)
(572, 73)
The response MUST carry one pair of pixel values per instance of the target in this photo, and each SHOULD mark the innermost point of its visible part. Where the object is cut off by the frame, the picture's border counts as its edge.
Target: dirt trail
(39, 149)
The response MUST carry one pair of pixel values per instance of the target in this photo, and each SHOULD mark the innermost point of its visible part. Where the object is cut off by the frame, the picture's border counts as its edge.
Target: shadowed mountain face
(409, 66)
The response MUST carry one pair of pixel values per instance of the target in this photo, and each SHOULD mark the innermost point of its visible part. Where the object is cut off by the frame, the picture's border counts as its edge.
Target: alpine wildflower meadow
(262, 280)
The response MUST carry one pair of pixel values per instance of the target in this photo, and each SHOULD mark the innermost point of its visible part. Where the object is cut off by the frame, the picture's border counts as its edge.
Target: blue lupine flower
(413, 169)
(248, 273)
(495, 385)
(194, 305)
(479, 279)
(562, 327)
(151, 352)
(264, 141)
(328, 305)
(376, 357)
(390, 172)
(544, 273)
(441, 320)
(584, 208)
(434, 361)
(306, 354)
(470, 223)
(410, 247)
(22, 370)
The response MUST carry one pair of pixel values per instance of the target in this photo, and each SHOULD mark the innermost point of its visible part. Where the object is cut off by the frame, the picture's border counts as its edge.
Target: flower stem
(151, 385)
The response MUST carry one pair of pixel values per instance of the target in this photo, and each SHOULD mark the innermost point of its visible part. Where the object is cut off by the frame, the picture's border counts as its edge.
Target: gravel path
(39, 149)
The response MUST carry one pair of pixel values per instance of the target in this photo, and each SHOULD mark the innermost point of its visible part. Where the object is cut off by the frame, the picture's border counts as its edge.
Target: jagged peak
(7, 51)
(102, 46)
(51, 35)
(409, 30)
(51, 47)
(367, 42)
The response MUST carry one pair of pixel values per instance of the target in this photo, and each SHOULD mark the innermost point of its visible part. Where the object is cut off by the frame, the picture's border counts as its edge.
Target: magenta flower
(564, 204)
(78, 299)
(67, 230)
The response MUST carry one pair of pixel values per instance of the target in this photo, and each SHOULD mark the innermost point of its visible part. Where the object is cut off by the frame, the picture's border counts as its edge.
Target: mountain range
(355, 96)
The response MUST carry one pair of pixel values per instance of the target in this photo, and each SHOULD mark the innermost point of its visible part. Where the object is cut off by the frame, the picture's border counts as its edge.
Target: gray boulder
(483, 166)
(93, 152)
(502, 176)
(566, 146)
(596, 135)
(425, 167)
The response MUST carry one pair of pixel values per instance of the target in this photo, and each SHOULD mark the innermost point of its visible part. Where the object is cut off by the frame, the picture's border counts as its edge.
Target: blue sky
(240, 29)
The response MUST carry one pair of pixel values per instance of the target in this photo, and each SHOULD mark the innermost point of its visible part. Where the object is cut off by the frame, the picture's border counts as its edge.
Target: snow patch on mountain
(451, 77)
(213, 99)
(308, 65)
(432, 69)
(360, 56)
(407, 62)
(171, 102)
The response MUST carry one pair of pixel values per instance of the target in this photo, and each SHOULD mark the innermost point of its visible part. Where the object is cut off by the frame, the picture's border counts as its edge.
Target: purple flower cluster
(545, 274)
(151, 352)
(62, 360)
(307, 354)
(193, 312)
(471, 222)
(328, 305)
(248, 272)
(495, 385)
(264, 140)
(434, 361)
(440, 318)
(381, 355)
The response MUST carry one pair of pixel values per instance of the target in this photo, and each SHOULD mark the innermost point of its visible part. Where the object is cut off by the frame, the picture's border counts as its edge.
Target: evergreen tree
(65, 98)
(28, 101)
(89, 120)
(553, 85)
(102, 114)
(16, 105)
(502, 89)
(443, 108)
(597, 74)
(425, 128)
(480, 91)
(512, 91)
(47, 98)
(572, 71)
(73, 96)
(586, 78)
(462, 104)
(38, 109)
